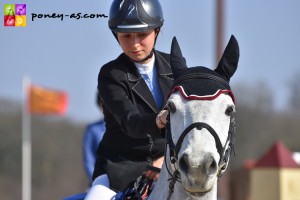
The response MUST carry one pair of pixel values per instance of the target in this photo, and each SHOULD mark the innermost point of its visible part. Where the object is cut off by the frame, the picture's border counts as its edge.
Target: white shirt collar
(146, 68)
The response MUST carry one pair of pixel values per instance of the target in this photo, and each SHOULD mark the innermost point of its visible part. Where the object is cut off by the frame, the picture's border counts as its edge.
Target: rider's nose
(135, 40)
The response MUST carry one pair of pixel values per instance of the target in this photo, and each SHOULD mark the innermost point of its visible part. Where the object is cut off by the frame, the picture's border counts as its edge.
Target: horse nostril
(211, 167)
(207, 165)
(183, 163)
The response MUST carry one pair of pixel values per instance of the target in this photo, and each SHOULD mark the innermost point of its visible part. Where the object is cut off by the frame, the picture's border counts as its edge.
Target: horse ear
(230, 58)
(177, 61)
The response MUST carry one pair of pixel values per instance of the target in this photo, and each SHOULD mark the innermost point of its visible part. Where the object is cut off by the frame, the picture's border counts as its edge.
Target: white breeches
(100, 189)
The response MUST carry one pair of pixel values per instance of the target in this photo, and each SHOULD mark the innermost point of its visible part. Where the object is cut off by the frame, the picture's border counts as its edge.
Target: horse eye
(230, 110)
(171, 107)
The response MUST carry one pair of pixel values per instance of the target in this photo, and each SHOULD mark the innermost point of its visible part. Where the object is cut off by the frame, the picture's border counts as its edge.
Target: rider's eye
(171, 107)
(230, 110)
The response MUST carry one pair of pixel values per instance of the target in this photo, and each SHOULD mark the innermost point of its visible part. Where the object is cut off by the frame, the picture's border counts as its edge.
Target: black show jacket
(132, 139)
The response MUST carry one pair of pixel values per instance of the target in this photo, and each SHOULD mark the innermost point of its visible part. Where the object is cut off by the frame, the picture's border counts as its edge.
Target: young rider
(134, 89)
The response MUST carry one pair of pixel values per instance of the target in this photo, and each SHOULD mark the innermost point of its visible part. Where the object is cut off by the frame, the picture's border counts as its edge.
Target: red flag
(46, 101)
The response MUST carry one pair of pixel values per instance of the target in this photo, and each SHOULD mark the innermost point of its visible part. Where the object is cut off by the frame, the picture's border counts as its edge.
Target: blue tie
(154, 88)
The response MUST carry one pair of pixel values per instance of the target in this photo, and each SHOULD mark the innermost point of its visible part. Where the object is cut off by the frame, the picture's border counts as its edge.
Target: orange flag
(46, 101)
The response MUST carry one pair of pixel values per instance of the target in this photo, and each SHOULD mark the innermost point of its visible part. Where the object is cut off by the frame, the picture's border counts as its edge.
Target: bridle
(175, 148)
(224, 151)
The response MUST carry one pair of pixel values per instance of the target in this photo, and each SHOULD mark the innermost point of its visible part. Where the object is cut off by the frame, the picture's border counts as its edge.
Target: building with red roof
(275, 176)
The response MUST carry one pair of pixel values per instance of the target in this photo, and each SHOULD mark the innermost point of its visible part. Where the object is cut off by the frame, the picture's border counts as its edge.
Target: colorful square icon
(20, 9)
(9, 20)
(9, 9)
(20, 20)
(14, 14)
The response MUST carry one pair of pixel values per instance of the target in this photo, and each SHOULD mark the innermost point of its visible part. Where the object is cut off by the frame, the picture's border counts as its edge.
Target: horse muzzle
(198, 176)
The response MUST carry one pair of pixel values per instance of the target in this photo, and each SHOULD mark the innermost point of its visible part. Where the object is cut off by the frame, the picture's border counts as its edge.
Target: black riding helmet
(135, 15)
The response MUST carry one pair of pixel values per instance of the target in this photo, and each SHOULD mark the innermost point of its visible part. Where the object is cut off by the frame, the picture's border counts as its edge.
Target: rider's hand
(161, 119)
(151, 175)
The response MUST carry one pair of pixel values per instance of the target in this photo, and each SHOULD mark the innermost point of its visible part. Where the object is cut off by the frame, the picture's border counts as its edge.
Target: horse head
(201, 120)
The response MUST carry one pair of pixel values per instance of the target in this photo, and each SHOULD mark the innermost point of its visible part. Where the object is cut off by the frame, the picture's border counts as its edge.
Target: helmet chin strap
(146, 58)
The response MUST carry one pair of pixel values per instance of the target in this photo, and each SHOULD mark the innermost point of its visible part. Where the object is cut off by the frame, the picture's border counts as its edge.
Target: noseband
(174, 149)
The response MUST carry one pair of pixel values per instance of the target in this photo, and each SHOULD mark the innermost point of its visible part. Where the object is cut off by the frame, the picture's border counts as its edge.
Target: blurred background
(68, 54)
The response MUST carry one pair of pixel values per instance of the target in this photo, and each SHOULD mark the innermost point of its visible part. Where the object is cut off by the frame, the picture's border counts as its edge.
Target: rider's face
(137, 46)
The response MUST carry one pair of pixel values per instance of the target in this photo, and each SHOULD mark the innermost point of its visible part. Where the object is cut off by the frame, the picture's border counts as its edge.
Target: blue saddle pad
(80, 196)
